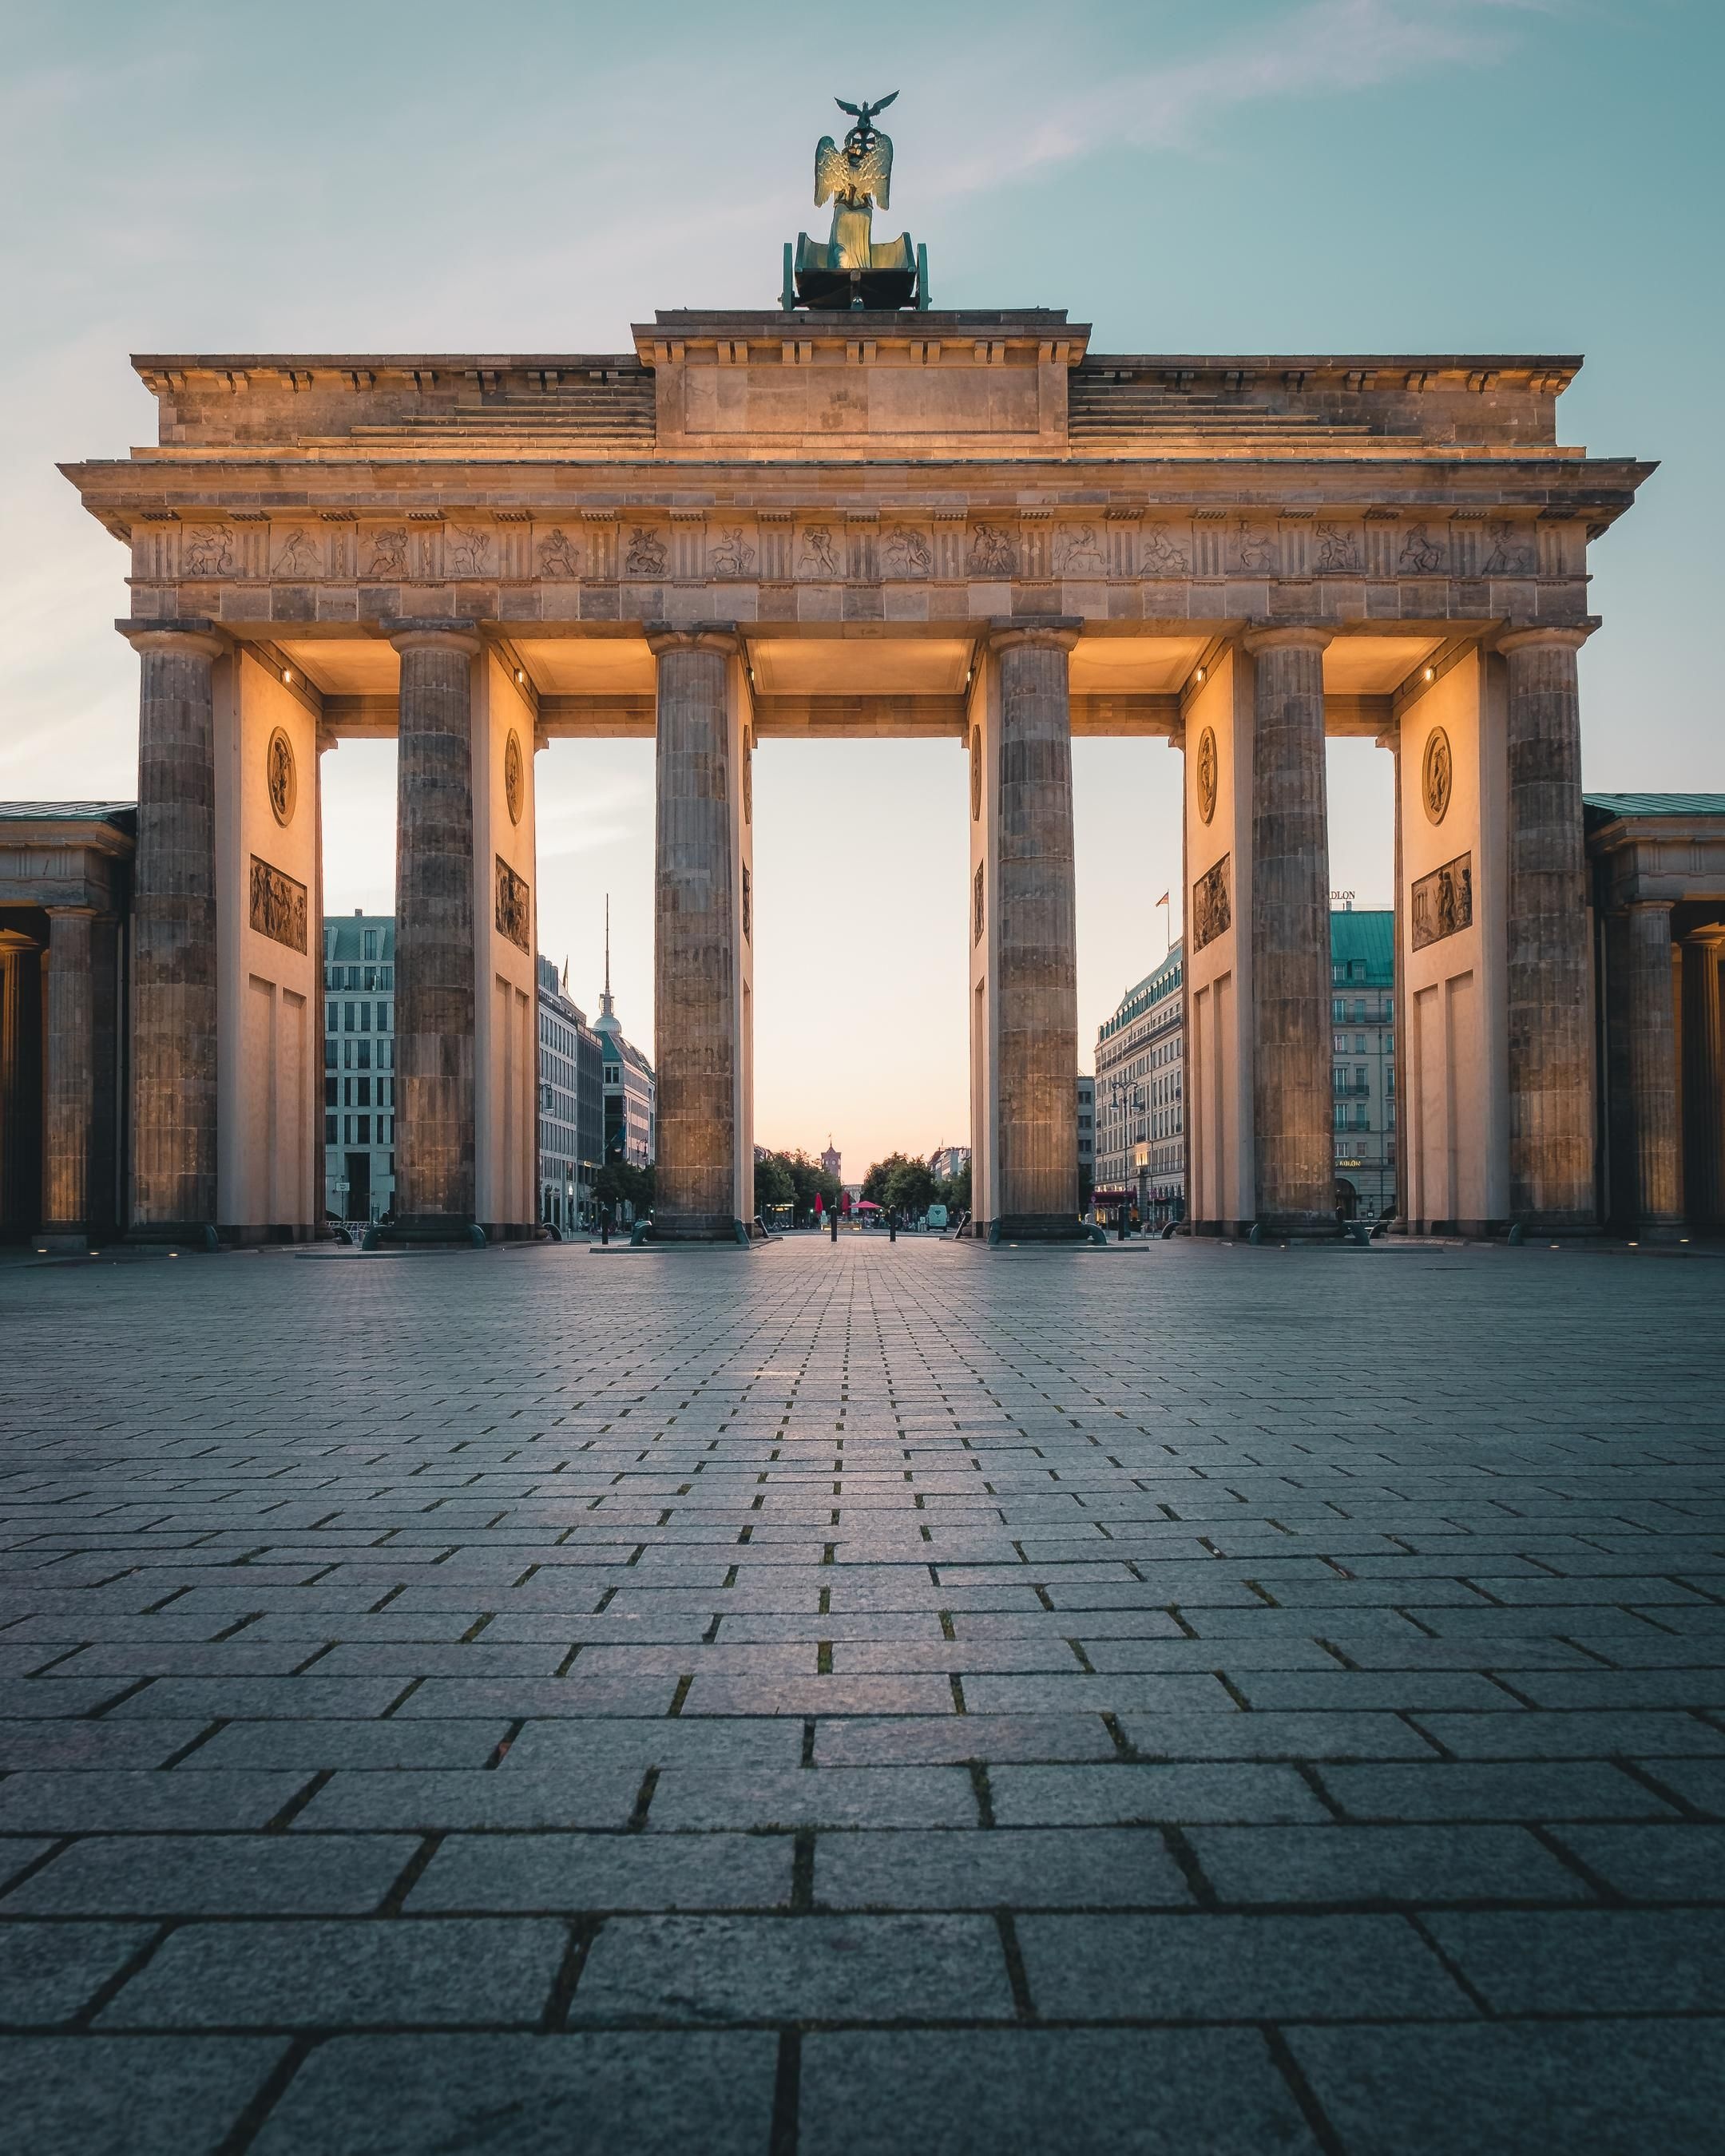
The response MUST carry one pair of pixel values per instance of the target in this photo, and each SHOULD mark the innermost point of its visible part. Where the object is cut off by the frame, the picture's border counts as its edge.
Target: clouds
(1326, 48)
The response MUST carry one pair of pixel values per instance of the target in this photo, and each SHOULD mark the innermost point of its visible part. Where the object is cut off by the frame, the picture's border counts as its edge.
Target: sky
(1256, 176)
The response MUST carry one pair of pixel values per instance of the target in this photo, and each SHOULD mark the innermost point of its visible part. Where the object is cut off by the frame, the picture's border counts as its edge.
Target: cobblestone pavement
(863, 1699)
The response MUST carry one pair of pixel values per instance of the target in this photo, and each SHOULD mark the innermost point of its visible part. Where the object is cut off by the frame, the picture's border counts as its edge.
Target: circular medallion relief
(975, 773)
(281, 776)
(1436, 775)
(1206, 774)
(514, 777)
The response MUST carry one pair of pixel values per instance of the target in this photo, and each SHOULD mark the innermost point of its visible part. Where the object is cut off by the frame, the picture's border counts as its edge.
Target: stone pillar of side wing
(1549, 957)
(1293, 1143)
(695, 927)
(1036, 940)
(434, 961)
(1654, 1101)
(174, 1016)
(68, 1080)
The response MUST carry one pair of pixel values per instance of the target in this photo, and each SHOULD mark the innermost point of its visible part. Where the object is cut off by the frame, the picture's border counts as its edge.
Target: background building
(572, 1105)
(1086, 1138)
(946, 1162)
(832, 1160)
(359, 1065)
(630, 1089)
(1140, 1097)
(1363, 1018)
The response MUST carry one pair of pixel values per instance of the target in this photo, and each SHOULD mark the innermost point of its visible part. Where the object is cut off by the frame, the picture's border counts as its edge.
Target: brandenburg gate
(861, 516)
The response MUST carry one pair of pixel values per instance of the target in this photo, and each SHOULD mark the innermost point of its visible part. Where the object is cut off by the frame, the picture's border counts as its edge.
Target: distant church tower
(830, 1158)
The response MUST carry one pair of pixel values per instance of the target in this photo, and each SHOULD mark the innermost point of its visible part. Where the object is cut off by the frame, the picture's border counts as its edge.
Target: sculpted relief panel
(342, 564)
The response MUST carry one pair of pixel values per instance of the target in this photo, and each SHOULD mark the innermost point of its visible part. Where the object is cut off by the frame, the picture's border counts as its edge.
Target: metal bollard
(604, 1228)
(833, 1218)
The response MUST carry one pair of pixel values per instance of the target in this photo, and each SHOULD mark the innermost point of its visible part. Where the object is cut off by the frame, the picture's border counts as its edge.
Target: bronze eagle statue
(859, 172)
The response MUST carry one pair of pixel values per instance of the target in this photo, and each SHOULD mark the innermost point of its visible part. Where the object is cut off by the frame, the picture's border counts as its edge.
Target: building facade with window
(1140, 1111)
(631, 1091)
(572, 1106)
(1086, 1137)
(359, 1065)
(1363, 1067)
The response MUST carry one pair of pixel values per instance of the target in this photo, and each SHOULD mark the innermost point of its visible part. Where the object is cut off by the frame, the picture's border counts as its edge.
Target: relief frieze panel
(1212, 910)
(514, 913)
(1443, 902)
(278, 905)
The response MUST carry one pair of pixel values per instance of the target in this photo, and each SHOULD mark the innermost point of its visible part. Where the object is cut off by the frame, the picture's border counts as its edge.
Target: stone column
(1551, 1050)
(695, 928)
(1703, 1053)
(1293, 1137)
(1036, 944)
(174, 933)
(1652, 1035)
(20, 1081)
(70, 1076)
(434, 960)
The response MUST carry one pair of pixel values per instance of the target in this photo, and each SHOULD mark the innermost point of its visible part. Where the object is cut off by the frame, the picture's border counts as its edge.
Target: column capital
(1049, 632)
(1284, 636)
(193, 634)
(420, 634)
(73, 911)
(1648, 905)
(663, 636)
(1549, 636)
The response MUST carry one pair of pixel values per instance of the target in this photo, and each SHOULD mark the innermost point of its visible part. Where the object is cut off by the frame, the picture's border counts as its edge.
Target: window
(347, 1130)
(329, 1053)
(365, 1092)
(1341, 1116)
(1360, 1121)
(1338, 1009)
(347, 1055)
(371, 943)
(1359, 1079)
(386, 976)
(1360, 1043)
(330, 1024)
(365, 1129)
(383, 1019)
(362, 1060)
(329, 1129)
(1359, 1008)
(346, 1017)
(365, 1018)
(329, 1088)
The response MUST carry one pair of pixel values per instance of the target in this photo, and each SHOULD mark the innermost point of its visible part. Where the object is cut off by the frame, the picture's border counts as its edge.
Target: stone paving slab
(851, 1700)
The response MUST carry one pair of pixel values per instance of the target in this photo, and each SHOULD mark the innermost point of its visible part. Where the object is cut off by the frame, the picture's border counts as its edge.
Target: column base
(691, 1228)
(1035, 1228)
(182, 1234)
(429, 1231)
(66, 1239)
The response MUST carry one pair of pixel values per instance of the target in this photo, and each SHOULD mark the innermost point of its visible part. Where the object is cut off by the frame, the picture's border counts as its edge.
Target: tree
(879, 1175)
(774, 1184)
(792, 1178)
(910, 1189)
(620, 1183)
(954, 1194)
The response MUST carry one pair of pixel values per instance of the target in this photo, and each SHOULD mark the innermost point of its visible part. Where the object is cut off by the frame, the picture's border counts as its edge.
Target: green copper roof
(1368, 935)
(1606, 808)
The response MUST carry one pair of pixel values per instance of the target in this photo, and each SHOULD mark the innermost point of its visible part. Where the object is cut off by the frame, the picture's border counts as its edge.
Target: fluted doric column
(695, 928)
(434, 949)
(1652, 1028)
(174, 931)
(1549, 957)
(1703, 1054)
(1293, 1142)
(1035, 941)
(70, 1076)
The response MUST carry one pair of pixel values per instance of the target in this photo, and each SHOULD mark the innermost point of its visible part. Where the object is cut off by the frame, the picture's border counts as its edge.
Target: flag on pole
(1162, 901)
